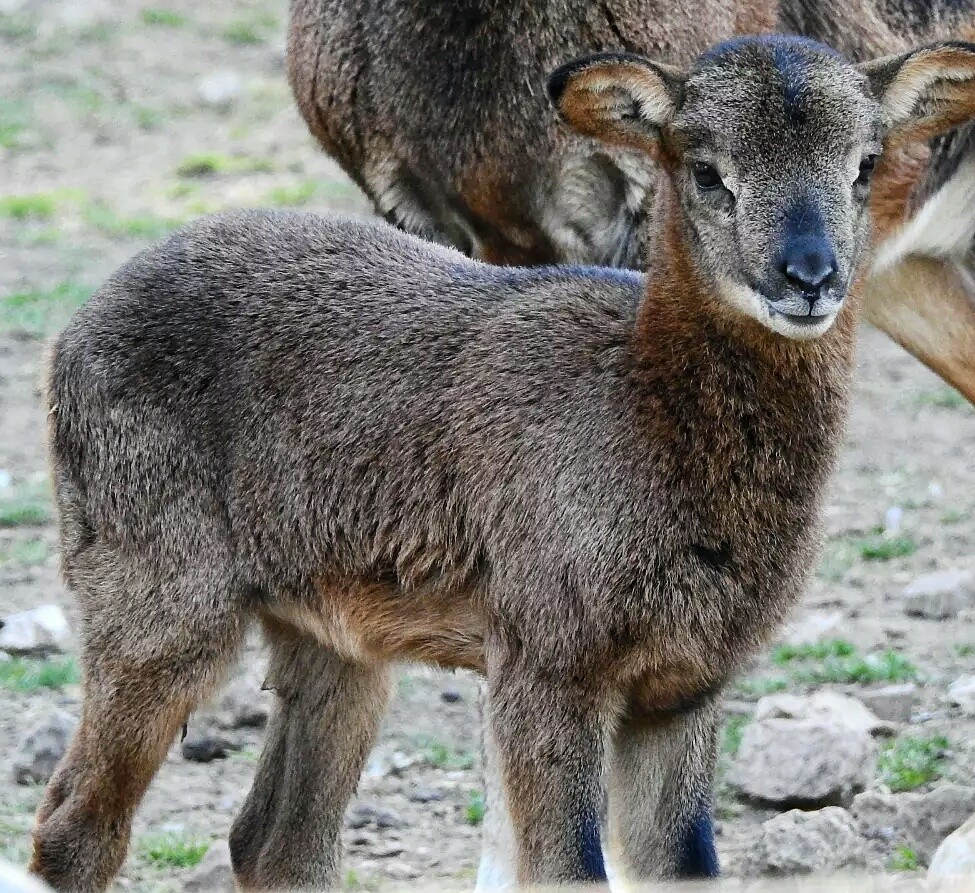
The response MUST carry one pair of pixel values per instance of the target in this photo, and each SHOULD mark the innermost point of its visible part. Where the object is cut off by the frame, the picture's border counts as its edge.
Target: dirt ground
(106, 145)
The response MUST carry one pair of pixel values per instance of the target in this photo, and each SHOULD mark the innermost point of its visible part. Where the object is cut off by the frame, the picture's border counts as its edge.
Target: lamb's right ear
(617, 98)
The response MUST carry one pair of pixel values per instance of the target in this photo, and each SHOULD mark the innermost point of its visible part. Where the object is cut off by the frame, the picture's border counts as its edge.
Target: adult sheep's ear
(617, 98)
(925, 92)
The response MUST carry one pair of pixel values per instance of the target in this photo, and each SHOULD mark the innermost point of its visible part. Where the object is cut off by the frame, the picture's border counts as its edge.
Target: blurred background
(121, 120)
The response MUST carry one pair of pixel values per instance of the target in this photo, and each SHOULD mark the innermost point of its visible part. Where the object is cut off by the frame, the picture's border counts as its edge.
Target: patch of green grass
(142, 226)
(953, 516)
(786, 654)
(39, 313)
(878, 547)
(209, 164)
(13, 123)
(249, 31)
(147, 117)
(353, 882)
(475, 809)
(173, 850)
(759, 686)
(292, 196)
(904, 859)
(440, 756)
(24, 675)
(908, 763)
(851, 669)
(39, 206)
(965, 650)
(155, 15)
(25, 506)
(17, 27)
(943, 398)
(28, 553)
(732, 733)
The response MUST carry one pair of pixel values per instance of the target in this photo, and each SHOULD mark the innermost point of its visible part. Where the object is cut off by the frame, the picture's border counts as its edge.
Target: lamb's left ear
(927, 91)
(617, 98)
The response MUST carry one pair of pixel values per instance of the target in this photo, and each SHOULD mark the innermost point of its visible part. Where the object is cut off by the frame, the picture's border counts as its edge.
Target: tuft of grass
(440, 756)
(786, 654)
(908, 763)
(249, 31)
(13, 123)
(878, 547)
(966, 650)
(850, 669)
(173, 850)
(143, 226)
(953, 516)
(292, 196)
(943, 398)
(39, 313)
(732, 734)
(475, 809)
(169, 18)
(23, 675)
(29, 553)
(904, 859)
(39, 206)
(25, 506)
(759, 686)
(210, 164)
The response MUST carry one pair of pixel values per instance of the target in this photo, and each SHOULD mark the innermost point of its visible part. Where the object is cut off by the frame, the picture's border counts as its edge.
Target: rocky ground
(119, 120)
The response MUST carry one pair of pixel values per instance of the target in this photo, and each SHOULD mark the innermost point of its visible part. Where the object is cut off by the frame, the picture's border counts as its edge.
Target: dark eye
(866, 170)
(705, 176)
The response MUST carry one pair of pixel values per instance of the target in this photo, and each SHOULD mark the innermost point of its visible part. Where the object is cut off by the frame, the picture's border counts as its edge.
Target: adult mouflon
(599, 490)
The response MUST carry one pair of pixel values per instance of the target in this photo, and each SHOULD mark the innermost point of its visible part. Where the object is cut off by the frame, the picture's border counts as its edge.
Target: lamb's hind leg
(327, 719)
(661, 781)
(155, 643)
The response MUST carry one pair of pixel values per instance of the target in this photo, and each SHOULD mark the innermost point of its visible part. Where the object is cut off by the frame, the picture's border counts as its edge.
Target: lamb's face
(770, 145)
(771, 154)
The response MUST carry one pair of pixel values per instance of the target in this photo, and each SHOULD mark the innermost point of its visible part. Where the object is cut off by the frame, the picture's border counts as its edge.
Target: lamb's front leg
(661, 790)
(550, 747)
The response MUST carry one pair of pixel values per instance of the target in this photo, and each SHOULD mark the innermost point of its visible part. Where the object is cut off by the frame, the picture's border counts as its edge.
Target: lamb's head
(771, 144)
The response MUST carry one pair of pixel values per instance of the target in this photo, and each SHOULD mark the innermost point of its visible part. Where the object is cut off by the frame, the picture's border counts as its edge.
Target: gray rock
(940, 596)
(220, 89)
(34, 633)
(812, 628)
(893, 703)
(805, 763)
(805, 842)
(363, 815)
(961, 693)
(824, 706)
(955, 857)
(425, 795)
(81, 14)
(204, 747)
(387, 849)
(243, 704)
(16, 880)
(214, 874)
(401, 871)
(40, 750)
(918, 820)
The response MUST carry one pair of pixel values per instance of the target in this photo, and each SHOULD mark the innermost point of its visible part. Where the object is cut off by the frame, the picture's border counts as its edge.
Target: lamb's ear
(617, 98)
(927, 91)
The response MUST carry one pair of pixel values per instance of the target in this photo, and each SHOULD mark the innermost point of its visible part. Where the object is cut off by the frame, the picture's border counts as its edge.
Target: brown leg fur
(660, 794)
(154, 646)
(927, 305)
(549, 736)
(287, 833)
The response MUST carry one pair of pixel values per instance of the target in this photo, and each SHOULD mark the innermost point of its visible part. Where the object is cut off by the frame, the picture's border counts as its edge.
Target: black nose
(809, 264)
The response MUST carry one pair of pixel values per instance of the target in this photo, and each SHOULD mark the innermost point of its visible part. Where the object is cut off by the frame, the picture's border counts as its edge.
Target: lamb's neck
(746, 423)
